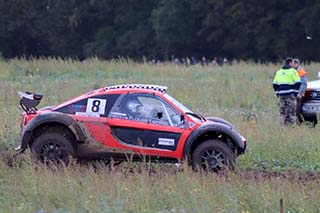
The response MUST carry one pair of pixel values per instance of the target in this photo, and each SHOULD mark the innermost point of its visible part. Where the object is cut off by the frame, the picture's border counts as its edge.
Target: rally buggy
(127, 122)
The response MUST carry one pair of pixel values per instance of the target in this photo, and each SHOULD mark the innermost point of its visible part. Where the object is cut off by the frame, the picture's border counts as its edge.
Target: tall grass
(231, 92)
(33, 188)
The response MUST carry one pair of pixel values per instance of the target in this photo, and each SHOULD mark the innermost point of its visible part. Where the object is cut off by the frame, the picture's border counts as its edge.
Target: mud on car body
(127, 122)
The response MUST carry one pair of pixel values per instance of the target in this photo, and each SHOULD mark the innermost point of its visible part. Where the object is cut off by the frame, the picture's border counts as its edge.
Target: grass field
(231, 92)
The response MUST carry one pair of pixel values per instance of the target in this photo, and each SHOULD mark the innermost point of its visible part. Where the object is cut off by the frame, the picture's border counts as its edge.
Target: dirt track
(9, 157)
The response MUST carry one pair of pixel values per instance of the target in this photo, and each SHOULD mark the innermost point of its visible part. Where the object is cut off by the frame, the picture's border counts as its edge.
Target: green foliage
(172, 24)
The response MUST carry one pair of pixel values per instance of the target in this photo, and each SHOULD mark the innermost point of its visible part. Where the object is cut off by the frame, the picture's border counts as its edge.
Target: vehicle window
(144, 108)
(97, 106)
(177, 103)
(79, 106)
(175, 117)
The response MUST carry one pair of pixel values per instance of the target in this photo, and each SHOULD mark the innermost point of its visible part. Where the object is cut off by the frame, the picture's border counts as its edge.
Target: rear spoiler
(29, 101)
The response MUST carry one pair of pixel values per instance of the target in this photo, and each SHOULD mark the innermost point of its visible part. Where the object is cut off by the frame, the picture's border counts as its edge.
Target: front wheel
(52, 147)
(213, 155)
(310, 119)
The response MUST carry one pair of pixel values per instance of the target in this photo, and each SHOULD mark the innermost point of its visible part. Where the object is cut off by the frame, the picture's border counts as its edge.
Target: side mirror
(182, 118)
(159, 115)
(318, 75)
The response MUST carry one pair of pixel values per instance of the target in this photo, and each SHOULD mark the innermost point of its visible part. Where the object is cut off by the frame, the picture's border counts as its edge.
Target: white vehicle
(310, 106)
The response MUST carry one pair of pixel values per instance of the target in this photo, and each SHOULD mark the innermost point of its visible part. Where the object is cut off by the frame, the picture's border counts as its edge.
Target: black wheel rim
(213, 160)
(53, 152)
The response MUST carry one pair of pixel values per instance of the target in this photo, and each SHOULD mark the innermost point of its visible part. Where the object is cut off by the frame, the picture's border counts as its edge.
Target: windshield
(194, 117)
(177, 103)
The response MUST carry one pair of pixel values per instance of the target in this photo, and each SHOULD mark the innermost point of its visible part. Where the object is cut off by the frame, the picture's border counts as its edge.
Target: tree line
(245, 30)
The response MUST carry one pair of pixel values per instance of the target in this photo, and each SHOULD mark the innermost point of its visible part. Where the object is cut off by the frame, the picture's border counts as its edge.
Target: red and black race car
(127, 122)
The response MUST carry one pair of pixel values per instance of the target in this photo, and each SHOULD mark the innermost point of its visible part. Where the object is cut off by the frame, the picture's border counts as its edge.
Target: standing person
(303, 77)
(286, 84)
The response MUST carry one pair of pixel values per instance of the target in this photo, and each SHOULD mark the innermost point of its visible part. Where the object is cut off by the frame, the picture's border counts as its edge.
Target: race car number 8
(96, 105)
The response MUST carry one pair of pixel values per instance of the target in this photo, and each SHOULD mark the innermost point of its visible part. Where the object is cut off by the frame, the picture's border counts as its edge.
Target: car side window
(145, 108)
(96, 106)
(175, 117)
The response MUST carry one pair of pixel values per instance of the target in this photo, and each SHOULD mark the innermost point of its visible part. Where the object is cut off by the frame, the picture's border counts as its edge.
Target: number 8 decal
(96, 106)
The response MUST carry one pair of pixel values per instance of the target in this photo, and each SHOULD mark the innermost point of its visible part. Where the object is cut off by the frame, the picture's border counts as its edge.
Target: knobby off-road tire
(213, 156)
(310, 120)
(52, 147)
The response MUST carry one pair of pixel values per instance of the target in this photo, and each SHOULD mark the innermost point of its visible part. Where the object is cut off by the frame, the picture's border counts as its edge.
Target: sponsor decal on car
(117, 115)
(166, 141)
(88, 114)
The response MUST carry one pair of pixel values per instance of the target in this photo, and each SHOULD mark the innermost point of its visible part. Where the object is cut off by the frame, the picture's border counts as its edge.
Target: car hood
(314, 85)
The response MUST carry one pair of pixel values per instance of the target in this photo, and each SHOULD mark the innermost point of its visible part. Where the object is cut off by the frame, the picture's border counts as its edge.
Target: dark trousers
(298, 114)
(287, 109)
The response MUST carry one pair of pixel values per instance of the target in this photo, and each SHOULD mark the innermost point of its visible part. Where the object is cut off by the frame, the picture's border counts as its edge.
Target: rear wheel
(213, 155)
(52, 147)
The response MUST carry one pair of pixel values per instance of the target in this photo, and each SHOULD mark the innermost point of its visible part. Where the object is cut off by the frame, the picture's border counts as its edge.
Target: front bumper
(310, 107)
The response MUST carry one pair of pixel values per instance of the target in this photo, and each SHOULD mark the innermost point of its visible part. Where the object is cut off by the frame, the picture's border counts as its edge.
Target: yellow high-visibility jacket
(286, 82)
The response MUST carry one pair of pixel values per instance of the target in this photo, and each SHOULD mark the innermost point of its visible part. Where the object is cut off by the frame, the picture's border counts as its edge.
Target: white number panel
(96, 106)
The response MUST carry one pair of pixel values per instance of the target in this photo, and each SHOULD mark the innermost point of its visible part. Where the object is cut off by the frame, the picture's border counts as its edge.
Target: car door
(146, 123)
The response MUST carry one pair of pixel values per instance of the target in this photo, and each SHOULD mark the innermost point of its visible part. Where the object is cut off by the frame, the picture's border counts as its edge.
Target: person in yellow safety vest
(286, 84)
(303, 77)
